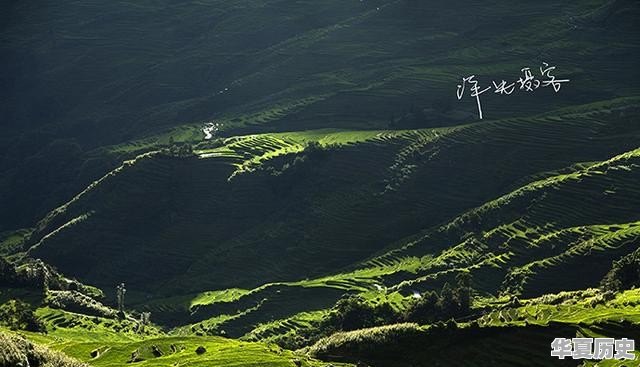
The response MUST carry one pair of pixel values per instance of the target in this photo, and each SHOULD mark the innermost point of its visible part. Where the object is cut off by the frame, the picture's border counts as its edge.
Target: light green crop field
(94, 340)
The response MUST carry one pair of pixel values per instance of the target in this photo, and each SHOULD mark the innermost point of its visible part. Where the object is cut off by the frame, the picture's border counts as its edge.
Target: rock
(135, 357)
(156, 351)
(201, 350)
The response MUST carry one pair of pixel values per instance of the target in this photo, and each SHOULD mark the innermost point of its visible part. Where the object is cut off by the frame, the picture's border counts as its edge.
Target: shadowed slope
(168, 224)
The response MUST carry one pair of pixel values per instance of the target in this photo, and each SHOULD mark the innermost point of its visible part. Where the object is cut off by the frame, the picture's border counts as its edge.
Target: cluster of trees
(451, 302)
(624, 274)
(313, 150)
(355, 312)
(210, 144)
(18, 315)
(349, 313)
(48, 286)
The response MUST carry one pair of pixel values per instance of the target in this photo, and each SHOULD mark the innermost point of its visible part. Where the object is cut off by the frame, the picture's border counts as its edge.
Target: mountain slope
(131, 70)
(168, 224)
(500, 244)
(295, 183)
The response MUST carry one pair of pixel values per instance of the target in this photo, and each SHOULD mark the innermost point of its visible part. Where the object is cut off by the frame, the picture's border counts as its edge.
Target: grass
(529, 326)
(107, 342)
(227, 295)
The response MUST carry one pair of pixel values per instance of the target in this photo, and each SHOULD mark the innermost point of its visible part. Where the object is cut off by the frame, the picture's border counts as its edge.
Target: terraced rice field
(546, 223)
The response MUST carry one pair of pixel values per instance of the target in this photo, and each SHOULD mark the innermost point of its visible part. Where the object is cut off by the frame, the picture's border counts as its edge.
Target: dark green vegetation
(350, 210)
(625, 273)
(510, 335)
(18, 315)
(79, 77)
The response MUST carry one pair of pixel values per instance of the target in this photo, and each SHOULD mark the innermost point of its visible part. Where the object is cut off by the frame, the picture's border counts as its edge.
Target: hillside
(95, 342)
(132, 70)
(238, 210)
(504, 257)
(311, 184)
(508, 337)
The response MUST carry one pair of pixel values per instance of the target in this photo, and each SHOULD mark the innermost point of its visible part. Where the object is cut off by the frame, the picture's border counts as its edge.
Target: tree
(120, 291)
(424, 310)
(462, 292)
(452, 301)
(355, 312)
(145, 319)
